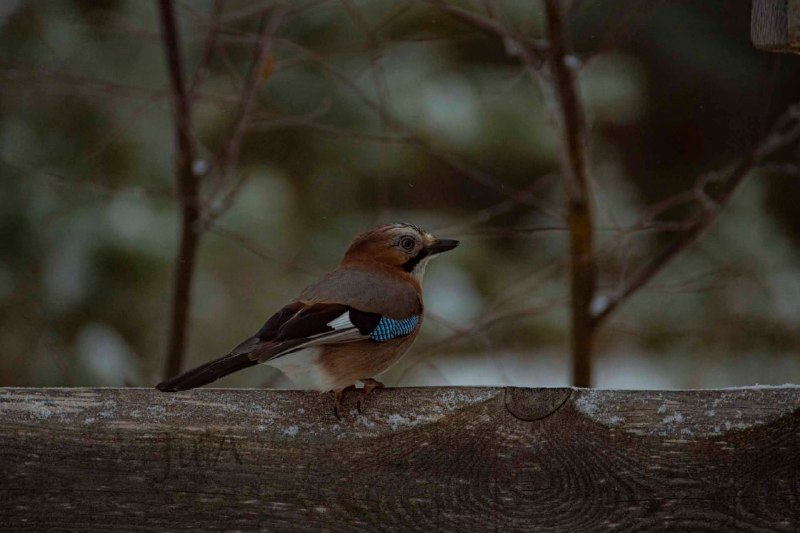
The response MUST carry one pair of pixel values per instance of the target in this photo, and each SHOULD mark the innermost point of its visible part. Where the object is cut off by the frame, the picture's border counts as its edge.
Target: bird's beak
(441, 245)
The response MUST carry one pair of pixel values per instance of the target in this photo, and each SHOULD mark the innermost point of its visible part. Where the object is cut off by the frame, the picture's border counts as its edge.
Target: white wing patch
(301, 362)
(342, 321)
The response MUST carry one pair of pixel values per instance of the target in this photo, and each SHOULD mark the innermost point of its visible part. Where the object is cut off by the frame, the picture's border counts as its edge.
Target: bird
(349, 326)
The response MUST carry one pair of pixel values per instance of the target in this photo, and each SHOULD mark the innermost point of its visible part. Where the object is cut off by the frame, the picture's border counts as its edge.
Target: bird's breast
(349, 363)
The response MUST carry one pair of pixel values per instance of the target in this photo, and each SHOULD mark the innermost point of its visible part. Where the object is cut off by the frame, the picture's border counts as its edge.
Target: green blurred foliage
(349, 131)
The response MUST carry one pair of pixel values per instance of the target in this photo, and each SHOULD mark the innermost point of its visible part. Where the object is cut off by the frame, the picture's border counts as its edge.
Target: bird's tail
(207, 373)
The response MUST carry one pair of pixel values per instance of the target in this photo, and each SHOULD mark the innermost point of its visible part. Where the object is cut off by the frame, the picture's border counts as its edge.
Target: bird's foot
(369, 386)
(338, 396)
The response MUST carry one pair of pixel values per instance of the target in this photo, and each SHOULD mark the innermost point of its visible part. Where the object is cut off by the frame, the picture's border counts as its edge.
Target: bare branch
(188, 192)
(208, 48)
(487, 214)
(718, 193)
(229, 154)
(310, 121)
(482, 326)
(58, 82)
(410, 136)
(71, 184)
(259, 250)
(583, 269)
(515, 44)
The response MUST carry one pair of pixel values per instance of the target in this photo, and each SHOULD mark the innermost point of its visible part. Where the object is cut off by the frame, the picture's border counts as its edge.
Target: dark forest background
(369, 112)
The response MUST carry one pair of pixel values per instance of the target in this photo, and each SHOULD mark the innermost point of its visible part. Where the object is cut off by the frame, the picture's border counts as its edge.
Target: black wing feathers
(270, 329)
(365, 322)
(207, 373)
(291, 323)
(289, 328)
(311, 321)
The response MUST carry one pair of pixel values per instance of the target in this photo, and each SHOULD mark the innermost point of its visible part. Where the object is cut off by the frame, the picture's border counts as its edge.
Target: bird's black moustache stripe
(409, 265)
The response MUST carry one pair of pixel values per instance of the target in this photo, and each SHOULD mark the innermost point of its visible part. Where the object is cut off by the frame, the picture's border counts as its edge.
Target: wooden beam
(775, 25)
(470, 459)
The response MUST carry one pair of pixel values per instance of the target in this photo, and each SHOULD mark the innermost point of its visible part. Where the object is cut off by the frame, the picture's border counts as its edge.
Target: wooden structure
(432, 459)
(775, 25)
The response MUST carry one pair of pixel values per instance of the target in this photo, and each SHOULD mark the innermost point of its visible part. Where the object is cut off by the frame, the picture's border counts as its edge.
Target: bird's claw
(369, 385)
(338, 397)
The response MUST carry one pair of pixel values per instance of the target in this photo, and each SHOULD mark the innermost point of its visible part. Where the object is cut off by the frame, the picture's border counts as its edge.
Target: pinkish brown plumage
(347, 327)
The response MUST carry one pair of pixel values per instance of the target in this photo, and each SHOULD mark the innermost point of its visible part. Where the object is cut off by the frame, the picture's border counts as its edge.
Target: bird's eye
(407, 243)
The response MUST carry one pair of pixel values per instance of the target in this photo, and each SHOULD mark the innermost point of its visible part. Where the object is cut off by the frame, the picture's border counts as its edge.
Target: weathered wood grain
(468, 459)
(775, 25)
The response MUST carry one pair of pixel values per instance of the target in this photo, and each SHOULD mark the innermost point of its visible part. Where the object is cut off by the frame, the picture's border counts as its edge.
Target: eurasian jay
(347, 327)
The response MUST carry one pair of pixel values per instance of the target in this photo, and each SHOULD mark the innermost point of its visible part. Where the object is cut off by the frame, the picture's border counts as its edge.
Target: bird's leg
(337, 403)
(369, 386)
(338, 396)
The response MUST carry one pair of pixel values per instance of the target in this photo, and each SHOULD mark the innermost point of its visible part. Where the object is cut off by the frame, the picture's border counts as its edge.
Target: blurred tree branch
(188, 191)
(208, 48)
(560, 76)
(409, 136)
(259, 250)
(260, 69)
(556, 53)
(526, 49)
(713, 193)
(188, 187)
(583, 270)
(222, 42)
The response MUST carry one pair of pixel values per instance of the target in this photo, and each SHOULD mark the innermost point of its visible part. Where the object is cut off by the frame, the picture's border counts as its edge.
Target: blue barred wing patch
(389, 328)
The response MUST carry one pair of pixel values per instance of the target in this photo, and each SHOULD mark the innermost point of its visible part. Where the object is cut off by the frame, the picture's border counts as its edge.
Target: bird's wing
(297, 326)
(301, 325)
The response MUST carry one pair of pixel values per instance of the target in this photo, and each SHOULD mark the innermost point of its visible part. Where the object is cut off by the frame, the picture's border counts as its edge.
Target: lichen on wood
(416, 459)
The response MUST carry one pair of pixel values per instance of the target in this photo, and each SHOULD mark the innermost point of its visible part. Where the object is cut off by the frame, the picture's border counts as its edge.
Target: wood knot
(535, 404)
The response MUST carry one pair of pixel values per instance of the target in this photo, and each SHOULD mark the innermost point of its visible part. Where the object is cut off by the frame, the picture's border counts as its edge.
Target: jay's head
(402, 246)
